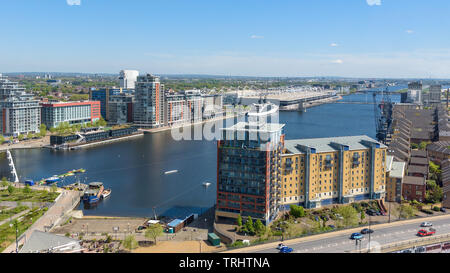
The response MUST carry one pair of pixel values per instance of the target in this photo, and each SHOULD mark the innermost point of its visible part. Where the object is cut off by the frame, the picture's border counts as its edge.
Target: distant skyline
(285, 38)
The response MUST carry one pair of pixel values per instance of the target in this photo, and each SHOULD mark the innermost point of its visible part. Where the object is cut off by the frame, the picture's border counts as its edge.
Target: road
(339, 242)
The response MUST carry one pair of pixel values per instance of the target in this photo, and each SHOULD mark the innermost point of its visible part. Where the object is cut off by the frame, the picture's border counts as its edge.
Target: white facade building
(128, 78)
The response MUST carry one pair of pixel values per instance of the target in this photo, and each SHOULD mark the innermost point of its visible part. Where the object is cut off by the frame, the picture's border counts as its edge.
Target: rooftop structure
(43, 242)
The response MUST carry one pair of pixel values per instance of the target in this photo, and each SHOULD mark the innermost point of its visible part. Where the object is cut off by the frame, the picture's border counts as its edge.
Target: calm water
(134, 169)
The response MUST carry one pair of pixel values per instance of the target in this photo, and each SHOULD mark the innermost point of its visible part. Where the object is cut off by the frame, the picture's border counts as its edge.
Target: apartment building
(337, 170)
(79, 112)
(120, 109)
(248, 170)
(148, 109)
(21, 113)
(395, 173)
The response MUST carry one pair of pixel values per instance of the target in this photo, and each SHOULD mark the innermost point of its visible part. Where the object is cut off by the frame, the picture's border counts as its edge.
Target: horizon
(377, 39)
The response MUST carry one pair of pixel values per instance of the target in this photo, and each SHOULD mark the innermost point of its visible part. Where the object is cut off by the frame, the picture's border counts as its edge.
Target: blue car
(356, 236)
(286, 249)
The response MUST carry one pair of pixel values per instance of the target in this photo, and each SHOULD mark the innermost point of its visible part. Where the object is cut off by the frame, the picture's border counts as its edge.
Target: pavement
(64, 203)
(339, 241)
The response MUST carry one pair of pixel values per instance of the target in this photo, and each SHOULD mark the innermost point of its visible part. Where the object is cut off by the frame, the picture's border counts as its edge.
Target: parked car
(280, 246)
(443, 210)
(366, 231)
(332, 226)
(356, 236)
(286, 249)
(426, 224)
(324, 217)
(339, 216)
(371, 212)
(424, 232)
(406, 251)
(420, 249)
(316, 218)
(378, 213)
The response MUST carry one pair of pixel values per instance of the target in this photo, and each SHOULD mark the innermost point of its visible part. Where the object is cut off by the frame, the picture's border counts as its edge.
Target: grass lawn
(8, 234)
(33, 196)
(5, 214)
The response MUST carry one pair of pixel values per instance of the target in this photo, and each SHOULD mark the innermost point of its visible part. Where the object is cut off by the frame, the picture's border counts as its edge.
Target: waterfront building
(174, 105)
(435, 94)
(194, 104)
(103, 95)
(395, 172)
(415, 92)
(21, 113)
(120, 109)
(336, 170)
(212, 105)
(128, 78)
(79, 112)
(148, 110)
(248, 169)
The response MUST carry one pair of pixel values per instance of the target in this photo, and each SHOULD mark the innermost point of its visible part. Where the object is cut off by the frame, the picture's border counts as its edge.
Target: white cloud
(409, 31)
(256, 37)
(334, 45)
(338, 61)
(73, 2)
(373, 2)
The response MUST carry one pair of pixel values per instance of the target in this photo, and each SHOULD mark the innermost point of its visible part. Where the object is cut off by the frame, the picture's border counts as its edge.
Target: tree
(423, 145)
(2, 139)
(249, 226)
(42, 130)
(30, 135)
(27, 189)
(130, 242)
(53, 188)
(20, 137)
(259, 227)
(297, 211)
(153, 231)
(363, 215)
(349, 215)
(11, 189)
(5, 182)
(405, 211)
(239, 221)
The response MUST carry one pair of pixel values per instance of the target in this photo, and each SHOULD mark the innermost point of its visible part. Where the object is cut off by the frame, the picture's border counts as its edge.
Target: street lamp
(370, 217)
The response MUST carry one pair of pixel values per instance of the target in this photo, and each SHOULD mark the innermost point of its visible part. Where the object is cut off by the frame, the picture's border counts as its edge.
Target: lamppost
(15, 224)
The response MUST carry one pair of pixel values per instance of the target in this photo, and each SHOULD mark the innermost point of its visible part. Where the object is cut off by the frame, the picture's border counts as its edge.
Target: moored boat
(93, 193)
(52, 179)
(106, 193)
(172, 171)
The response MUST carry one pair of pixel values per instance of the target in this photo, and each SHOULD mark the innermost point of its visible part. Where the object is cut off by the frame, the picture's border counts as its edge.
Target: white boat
(206, 184)
(106, 193)
(172, 171)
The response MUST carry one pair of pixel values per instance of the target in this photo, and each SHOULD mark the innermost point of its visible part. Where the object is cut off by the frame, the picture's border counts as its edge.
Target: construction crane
(383, 115)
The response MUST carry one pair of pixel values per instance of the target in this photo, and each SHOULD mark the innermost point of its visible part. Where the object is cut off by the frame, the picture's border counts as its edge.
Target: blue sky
(355, 38)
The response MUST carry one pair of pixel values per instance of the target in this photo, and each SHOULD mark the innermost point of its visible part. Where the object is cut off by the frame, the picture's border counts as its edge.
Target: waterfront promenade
(65, 202)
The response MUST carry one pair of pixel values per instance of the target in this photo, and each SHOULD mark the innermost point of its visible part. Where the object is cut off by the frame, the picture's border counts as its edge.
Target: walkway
(14, 217)
(65, 202)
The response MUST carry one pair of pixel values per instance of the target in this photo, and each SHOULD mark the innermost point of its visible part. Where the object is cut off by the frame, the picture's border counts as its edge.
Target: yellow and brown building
(338, 170)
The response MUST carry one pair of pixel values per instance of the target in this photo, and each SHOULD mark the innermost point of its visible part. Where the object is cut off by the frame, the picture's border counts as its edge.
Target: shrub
(297, 211)
(436, 208)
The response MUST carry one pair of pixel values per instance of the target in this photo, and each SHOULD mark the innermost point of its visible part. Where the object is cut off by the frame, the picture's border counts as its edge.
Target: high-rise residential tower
(20, 112)
(128, 78)
(148, 110)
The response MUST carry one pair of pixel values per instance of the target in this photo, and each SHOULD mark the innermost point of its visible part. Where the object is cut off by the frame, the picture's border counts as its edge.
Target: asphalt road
(382, 236)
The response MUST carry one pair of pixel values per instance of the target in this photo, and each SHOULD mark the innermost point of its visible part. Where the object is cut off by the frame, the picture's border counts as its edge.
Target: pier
(12, 166)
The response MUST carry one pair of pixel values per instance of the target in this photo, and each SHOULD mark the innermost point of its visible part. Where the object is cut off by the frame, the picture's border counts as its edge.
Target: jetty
(12, 166)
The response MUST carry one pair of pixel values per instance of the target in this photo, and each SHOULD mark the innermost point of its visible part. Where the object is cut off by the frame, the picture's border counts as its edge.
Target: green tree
(423, 145)
(349, 215)
(405, 211)
(297, 211)
(363, 215)
(4, 182)
(259, 227)
(153, 231)
(2, 139)
(11, 139)
(20, 137)
(130, 242)
(249, 226)
(27, 189)
(239, 221)
(11, 189)
(30, 135)
(42, 130)
(53, 188)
